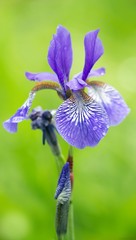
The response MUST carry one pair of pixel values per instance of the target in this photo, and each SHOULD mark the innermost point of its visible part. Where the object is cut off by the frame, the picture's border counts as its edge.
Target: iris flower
(89, 108)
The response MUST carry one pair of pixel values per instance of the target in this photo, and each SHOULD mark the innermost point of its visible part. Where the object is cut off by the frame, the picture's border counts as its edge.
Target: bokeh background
(105, 176)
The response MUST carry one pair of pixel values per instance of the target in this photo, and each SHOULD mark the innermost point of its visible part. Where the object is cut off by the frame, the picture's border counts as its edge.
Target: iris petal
(96, 73)
(111, 100)
(38, 77)
(93, 51)
(60, 54)
(81, 121)
(76, 84)
(11, 124)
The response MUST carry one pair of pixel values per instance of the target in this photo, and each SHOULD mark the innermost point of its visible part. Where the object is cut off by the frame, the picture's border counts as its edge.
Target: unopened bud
(63, 193)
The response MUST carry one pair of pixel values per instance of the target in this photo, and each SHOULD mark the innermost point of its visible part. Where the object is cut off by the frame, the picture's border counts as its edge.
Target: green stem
(60, 162)
(70, 232)
(61, 237)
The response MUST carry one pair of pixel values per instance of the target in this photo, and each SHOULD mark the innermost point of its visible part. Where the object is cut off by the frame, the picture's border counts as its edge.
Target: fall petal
(111, 100)
(22, 113)
(81, 121)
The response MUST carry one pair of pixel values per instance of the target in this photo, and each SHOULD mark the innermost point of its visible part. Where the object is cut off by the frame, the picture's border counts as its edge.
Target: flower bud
(63, 193)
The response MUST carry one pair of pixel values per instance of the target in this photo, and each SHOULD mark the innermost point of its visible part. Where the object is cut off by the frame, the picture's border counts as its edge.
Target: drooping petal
(81, 121)
(11, 124)
(93, 51)
(38, 77)
(111, 100)
(60, 54)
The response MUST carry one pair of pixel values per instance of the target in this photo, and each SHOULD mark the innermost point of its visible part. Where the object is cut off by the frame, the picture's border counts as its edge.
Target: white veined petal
(21, 114)
(81, 121)
(111, 100)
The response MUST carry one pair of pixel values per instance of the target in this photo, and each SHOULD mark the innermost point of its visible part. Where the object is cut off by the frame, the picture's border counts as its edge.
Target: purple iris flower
(89, 107)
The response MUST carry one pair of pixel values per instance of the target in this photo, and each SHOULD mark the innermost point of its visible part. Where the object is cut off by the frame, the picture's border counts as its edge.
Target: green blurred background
(105, 176)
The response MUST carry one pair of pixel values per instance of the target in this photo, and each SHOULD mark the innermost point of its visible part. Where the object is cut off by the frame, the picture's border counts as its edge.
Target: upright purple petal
(11, 124)
(81, 121)
(60, 54)
(43, 76)
(93, 51)
(111, 100)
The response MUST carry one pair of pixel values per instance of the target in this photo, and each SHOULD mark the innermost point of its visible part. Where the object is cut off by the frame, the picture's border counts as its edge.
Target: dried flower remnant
(43, 120)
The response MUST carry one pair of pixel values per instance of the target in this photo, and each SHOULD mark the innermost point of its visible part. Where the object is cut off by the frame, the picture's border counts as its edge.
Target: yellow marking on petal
(46, 85)
(97, 83)
(81, 96)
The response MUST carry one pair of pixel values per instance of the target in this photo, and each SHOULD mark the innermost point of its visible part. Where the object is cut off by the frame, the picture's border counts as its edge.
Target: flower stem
(62, 237)
(59, 162)
(71, 222)
(70, 230)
